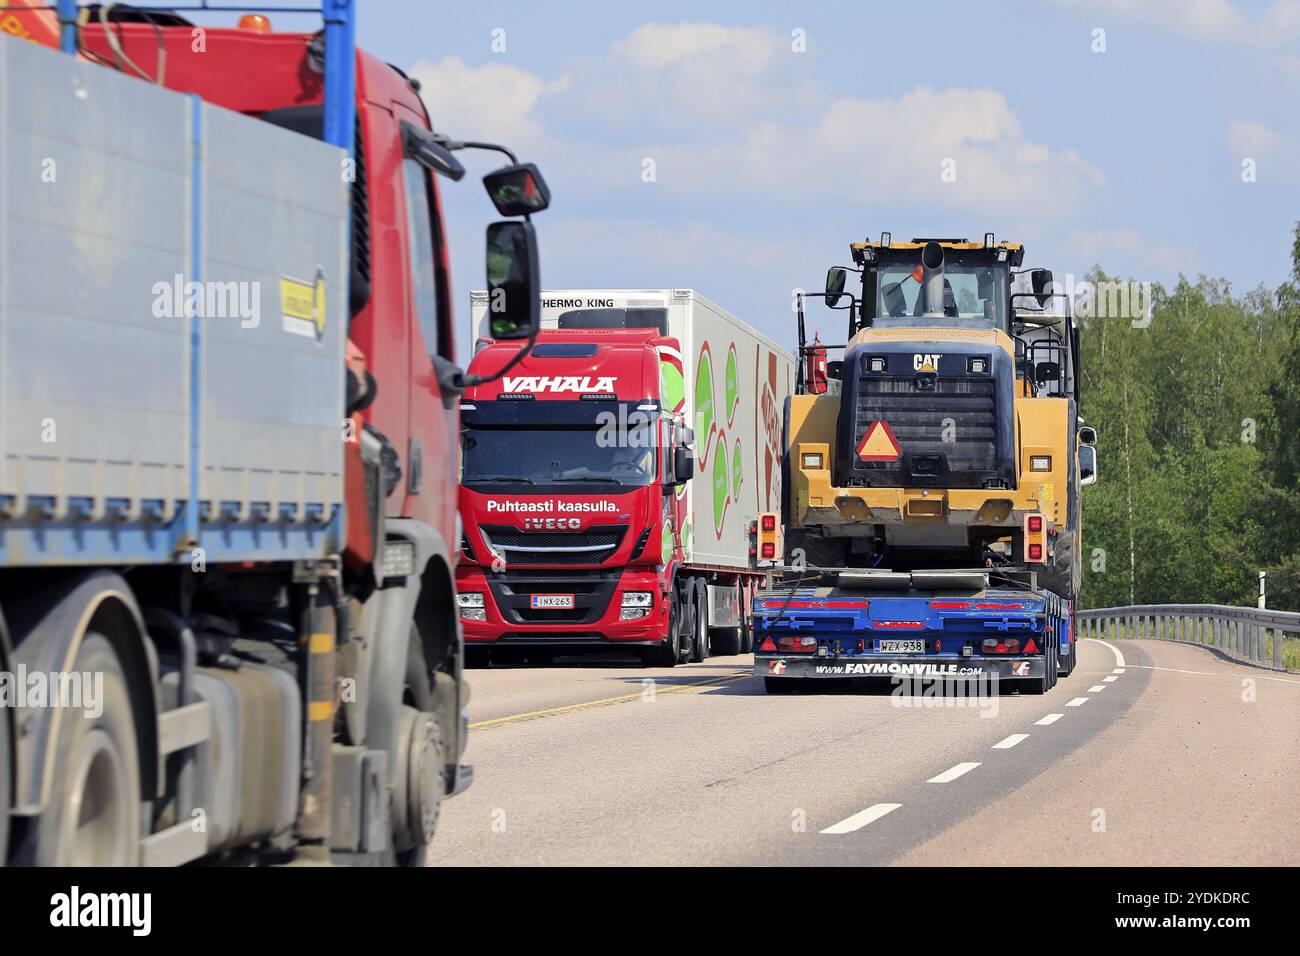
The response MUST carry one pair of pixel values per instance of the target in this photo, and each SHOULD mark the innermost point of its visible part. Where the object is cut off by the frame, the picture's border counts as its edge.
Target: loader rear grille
(951, 429)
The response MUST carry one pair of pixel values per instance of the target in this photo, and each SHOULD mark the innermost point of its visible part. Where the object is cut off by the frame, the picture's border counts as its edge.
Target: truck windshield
(975, 293)
(541, 456)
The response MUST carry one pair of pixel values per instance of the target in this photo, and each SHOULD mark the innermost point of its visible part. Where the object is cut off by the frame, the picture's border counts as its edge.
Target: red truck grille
(595, 545)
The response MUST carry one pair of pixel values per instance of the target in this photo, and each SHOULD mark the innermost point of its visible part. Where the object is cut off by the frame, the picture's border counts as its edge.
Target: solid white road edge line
(861, 819)
(1119, 658)
(952, 773)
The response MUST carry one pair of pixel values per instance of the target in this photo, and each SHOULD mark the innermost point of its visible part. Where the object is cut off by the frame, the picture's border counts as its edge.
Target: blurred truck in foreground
(228, 410)
(610, 481)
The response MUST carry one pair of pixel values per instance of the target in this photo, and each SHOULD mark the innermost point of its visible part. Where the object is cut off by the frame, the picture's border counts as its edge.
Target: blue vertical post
(68, 26)
(340, 72)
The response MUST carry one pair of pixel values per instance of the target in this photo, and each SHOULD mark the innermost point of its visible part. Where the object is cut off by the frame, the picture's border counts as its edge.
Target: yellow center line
(605, 701)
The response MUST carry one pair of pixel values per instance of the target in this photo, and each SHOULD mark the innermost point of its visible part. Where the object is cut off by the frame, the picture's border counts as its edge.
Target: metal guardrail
(1246, 633)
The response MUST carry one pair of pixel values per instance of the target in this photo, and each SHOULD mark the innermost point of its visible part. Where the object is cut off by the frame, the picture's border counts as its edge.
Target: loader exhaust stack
(932, 278)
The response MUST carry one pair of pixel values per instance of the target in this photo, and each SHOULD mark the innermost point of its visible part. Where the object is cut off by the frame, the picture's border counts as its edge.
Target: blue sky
(769, 160)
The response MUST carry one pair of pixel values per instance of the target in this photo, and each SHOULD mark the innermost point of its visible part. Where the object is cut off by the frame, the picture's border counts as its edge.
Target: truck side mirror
(1041, 280)
(836, 276)
(1087, 465)
(513, 282)
(1087, 435)
(683, 465)
(517, 190)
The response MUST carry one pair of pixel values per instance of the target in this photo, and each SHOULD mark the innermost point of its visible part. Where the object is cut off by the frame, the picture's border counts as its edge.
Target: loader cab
(934, 283)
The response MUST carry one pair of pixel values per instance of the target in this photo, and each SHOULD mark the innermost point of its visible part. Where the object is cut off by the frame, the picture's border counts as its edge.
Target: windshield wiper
(518, 478)
(601, 479)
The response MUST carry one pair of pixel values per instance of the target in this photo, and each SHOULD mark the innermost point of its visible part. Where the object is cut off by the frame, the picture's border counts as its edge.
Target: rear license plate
(900, 647)
(550, 602)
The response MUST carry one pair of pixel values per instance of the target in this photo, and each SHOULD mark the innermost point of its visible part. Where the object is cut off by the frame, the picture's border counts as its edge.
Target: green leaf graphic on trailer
(721, 498)
(732, 385)
(704, 415)
(737, 472)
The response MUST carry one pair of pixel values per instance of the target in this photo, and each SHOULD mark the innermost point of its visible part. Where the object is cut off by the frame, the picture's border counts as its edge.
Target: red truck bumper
(508, 616)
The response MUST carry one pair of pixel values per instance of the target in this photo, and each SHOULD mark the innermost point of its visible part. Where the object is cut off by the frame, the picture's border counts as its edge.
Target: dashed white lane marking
(1077, 702)
(1010, 742)
(861, 819)
(1109, 678)
(952, 773)
(1095, 688)
(1049, 719)
(1120, 670)
(1119, 657)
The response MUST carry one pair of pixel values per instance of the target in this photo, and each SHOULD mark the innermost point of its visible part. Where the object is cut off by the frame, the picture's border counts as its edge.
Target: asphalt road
(1150, 753)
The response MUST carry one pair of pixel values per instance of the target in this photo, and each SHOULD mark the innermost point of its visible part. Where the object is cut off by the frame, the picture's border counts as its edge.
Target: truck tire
(420, 740)
(93, 817)
(731, 640)
(668, 651)
(6, 781)
(1072, 659)
(701, 642)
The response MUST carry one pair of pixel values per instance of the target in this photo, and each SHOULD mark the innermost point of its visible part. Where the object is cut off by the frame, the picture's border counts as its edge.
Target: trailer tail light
(1001, 645)
(769, 538)
(797, 645)
(1035, 539)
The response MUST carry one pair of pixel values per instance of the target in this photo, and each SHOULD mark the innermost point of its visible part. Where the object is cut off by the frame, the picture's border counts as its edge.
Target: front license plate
(900, 647)
(551, 602)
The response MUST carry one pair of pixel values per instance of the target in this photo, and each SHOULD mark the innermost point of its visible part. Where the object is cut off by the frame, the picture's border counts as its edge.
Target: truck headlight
(1040, 462)
(812, 460)
(637, 599)
(471, 606)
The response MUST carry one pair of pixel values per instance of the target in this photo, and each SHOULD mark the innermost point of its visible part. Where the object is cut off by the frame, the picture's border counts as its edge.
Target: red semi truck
(611, 479)
(244, 534)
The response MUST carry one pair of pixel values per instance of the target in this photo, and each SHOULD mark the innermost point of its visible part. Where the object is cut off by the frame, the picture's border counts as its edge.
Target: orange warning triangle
(879, 444)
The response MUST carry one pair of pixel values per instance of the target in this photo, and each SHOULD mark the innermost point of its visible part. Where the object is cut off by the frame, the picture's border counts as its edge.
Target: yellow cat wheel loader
(947, 434)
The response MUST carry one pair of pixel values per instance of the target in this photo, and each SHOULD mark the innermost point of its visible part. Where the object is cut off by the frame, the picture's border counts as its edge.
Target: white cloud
(1273, 152)
(1127, 251)
(732, 114)
(495, 101)
(1212, 21)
